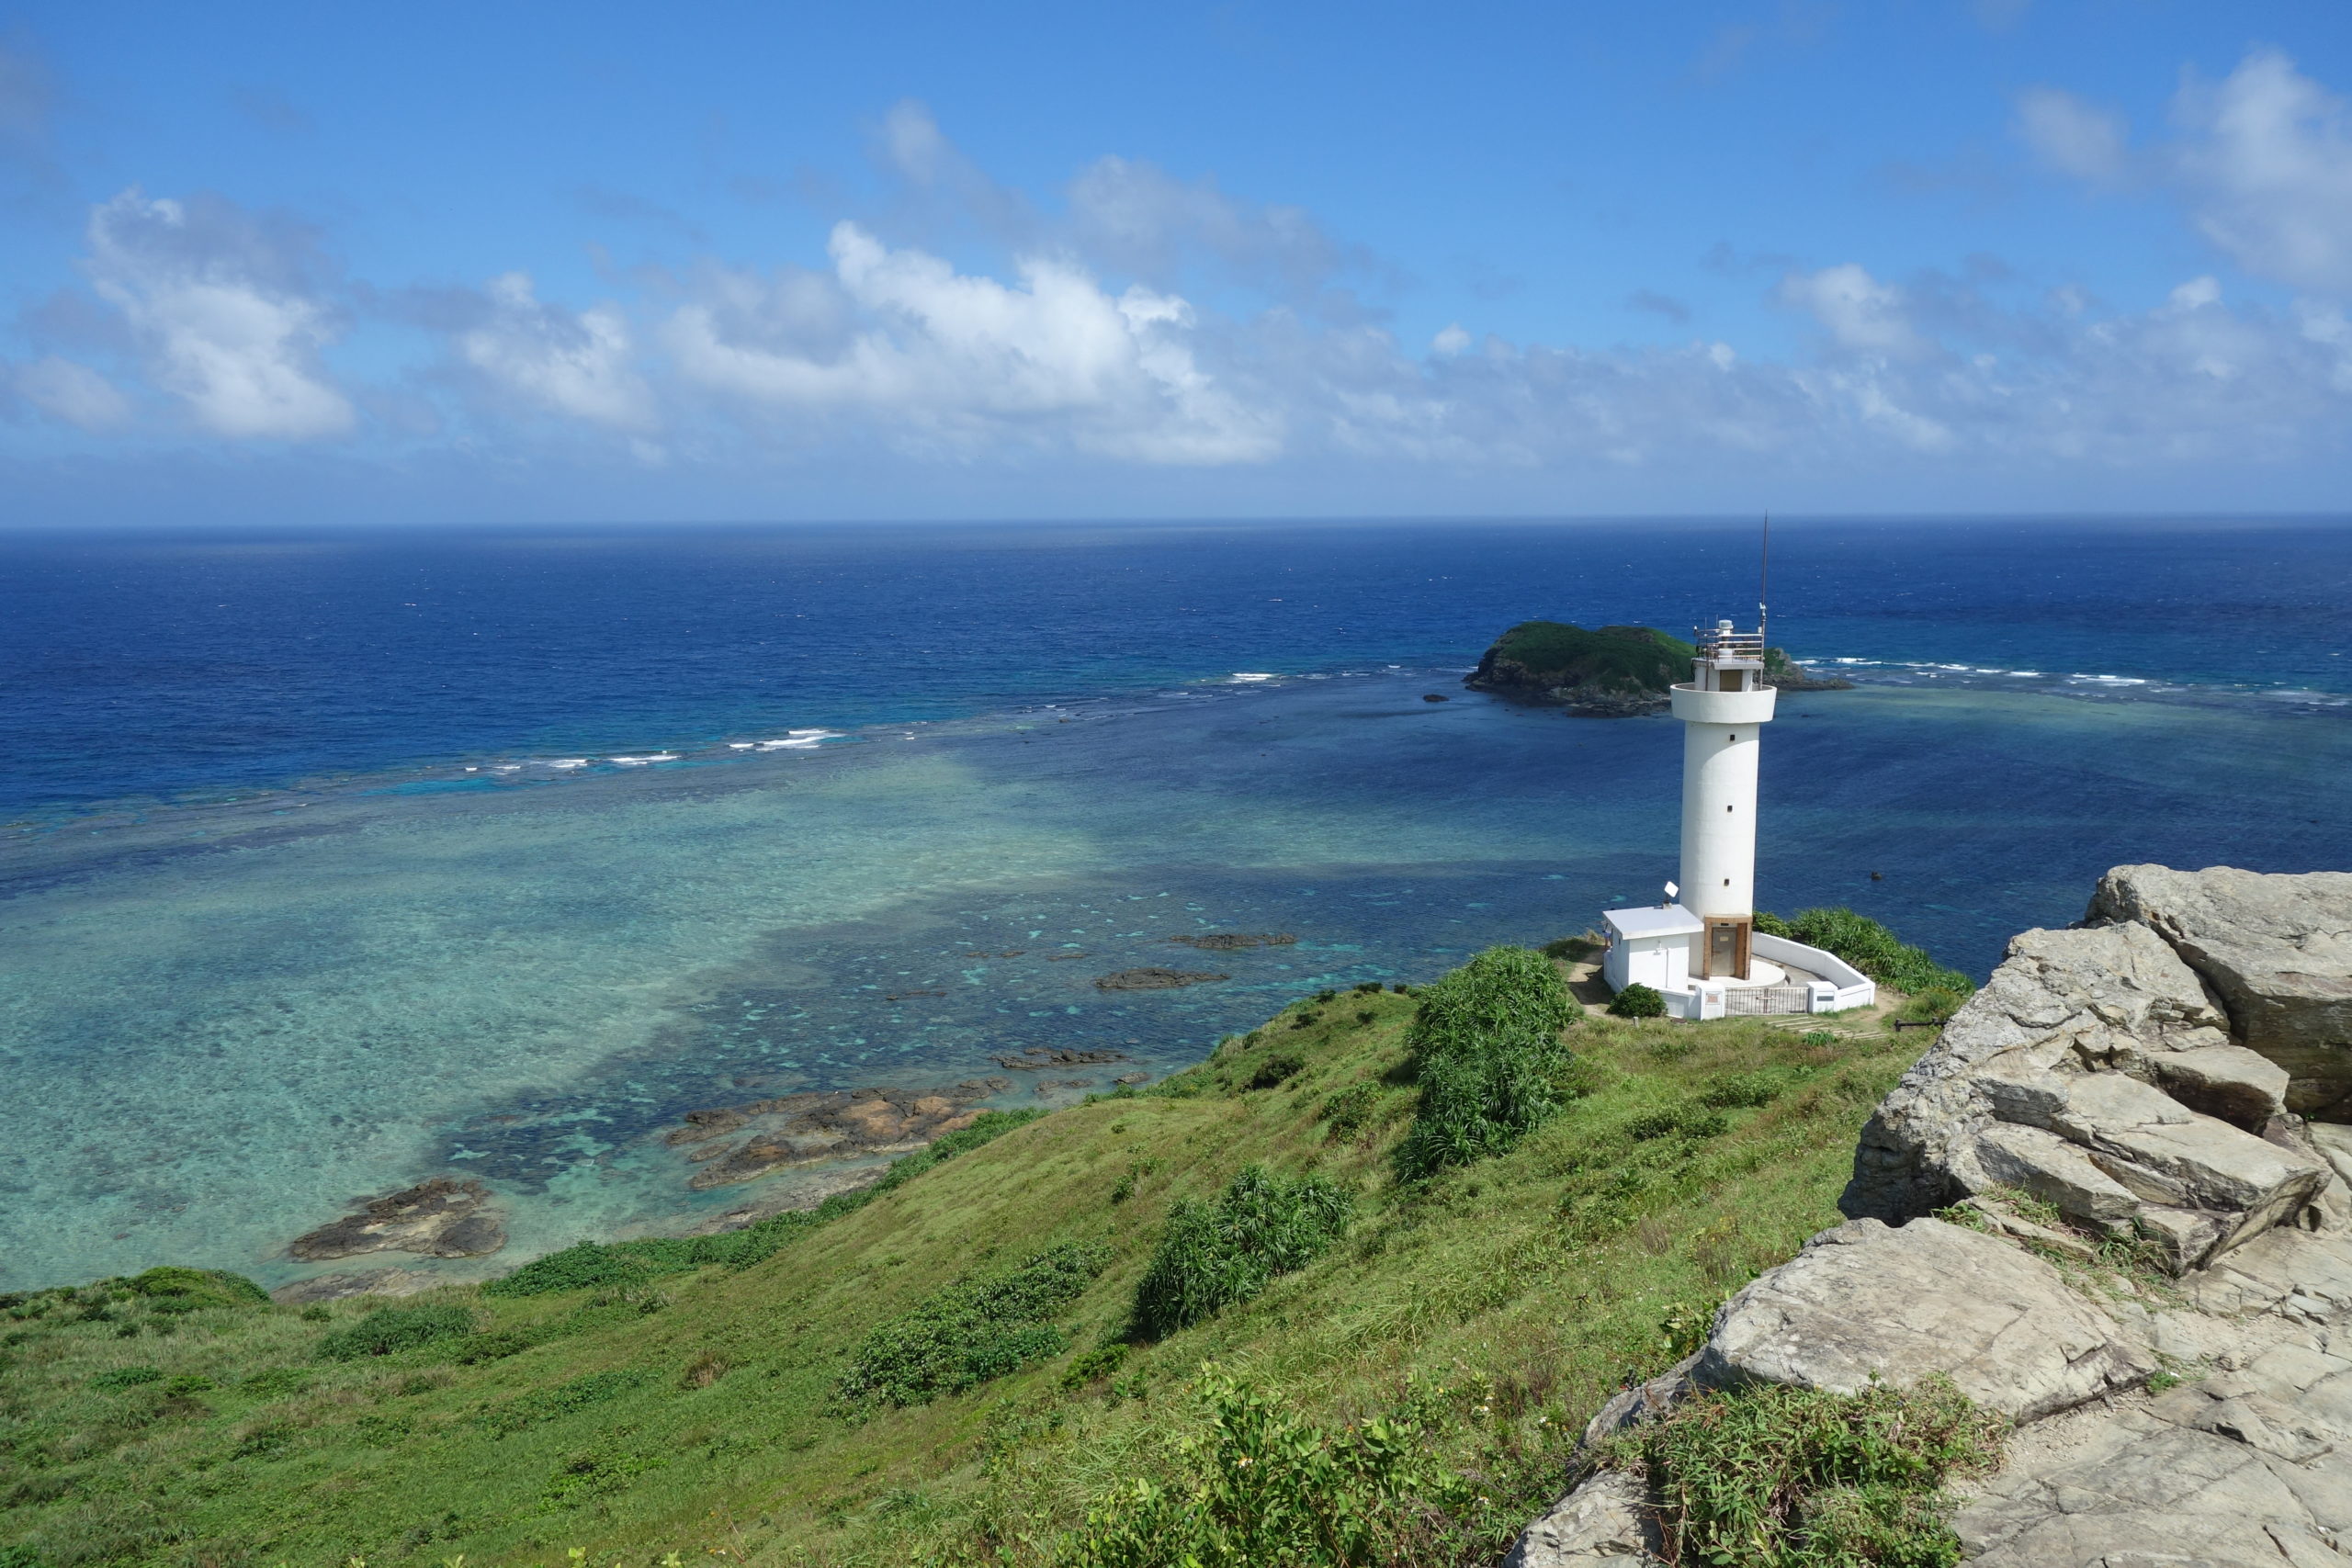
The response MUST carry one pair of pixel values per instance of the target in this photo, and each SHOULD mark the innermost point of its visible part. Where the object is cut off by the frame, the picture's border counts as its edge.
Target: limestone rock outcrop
(442, 1217)
(2277, 950)
(2095, 1072)
(816, 1126)
(2161, 1076)
(1866, 1302)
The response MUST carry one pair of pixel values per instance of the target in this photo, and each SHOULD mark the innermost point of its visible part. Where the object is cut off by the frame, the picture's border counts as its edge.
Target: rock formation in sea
(821, 1125)
(1607, 671)
(443, 1217)
(2172, 1075)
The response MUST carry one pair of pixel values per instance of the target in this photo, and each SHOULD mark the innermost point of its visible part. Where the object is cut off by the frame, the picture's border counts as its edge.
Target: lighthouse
(1699, 949)
(1724, 709)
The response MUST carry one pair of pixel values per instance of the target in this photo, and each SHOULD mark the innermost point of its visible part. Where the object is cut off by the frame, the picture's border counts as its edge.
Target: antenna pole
(1764, 581)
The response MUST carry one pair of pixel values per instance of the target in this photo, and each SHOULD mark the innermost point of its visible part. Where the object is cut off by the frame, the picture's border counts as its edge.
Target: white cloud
(1450, 341)
(217, 305)
(1856, 310)
(576, 363)
(73, 392)
(2071, 136)
(959, 360)
(2268, 162)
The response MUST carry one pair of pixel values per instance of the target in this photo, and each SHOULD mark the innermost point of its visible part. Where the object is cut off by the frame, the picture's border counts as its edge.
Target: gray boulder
(2062, 1002)
(1604, 1521)
(2277, 949)
(1867, 1301)
(2243, 1088)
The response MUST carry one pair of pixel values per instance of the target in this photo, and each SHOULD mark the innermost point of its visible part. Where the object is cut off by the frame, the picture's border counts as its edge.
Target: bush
(1637, 1001)
(1262, 1486)
(191, 1288)
(971, 1331)
(1213, 1255)
(1869, 947)
(1277, 1068)
(389, 1330)
(1799, 1478)
(1350, 1109)
(127, 1377)
(597, 1266)
(1484, 1045)
(1678, 1122)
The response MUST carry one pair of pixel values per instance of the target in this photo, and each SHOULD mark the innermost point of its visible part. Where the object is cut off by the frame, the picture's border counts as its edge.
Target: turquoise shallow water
(223, 1023)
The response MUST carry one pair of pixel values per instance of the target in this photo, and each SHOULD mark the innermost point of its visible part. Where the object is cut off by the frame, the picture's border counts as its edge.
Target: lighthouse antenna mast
(1764, 581)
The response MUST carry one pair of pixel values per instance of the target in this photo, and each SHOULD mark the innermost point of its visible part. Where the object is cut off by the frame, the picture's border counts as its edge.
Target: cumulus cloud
(2268, 161)
(959, 360)
(578, 363)
(65, 389)
(221, 312)
(2071, 136)
(1856, 310)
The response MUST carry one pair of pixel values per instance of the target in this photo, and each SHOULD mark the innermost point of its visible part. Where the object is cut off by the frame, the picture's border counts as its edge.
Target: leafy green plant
(1780, 1477)
(971, 1331)
(1347, 1111)
(1870, 948)
(1742, 1091)
(1263, 1486)
(1486, 1046)
(1678, 1122)
(389, 1330)
(1277, 1069)
(192, 1288)
(598, 1265)
(1213, 1255)
(127, 1377)
(1637, 1001)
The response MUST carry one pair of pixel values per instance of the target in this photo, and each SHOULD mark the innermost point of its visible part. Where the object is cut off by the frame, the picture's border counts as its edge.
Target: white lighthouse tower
(1724, 710)
(1701, 952)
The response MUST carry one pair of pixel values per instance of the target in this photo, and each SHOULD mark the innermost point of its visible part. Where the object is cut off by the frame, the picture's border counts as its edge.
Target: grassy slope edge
(697, 1412)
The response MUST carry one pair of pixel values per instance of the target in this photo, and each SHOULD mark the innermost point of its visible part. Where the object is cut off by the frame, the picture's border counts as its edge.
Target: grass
(1490, 1307)
(1775, 1477)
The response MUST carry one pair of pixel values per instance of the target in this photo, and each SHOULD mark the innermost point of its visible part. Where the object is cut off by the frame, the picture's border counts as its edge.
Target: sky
(533, 263)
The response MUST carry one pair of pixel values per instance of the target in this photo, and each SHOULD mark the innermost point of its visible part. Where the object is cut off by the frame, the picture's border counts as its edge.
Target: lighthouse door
(1726, 950)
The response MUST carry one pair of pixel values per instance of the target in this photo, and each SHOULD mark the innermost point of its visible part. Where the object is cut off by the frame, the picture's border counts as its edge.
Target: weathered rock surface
(1606, 1520)
(2094, 1073)
(365, 1282)
(443, 1217)
(2049, 1080)
(2277, 949)
(806, 1128)
(1865, 1302)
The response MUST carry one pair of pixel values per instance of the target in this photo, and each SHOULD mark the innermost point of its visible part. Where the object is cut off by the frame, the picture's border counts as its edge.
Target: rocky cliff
(2169, 1080)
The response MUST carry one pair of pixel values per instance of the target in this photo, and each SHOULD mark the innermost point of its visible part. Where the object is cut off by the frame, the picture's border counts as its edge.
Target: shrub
(1799, 1478)
(1869, 947)
(1213, 1255)
(971, 1331)
(1678, 1122)
(389, 1330)
(1277, 1068)
(597, 1266)
(127, 1377)
(1263, 1486)
(1350, 1109)
(1484, 1044)
(193, 1287)
(1742, 1092)
(1637, 1001)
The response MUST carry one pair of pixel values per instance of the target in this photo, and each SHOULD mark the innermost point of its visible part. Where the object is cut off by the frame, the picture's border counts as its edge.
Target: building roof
(1651, 920)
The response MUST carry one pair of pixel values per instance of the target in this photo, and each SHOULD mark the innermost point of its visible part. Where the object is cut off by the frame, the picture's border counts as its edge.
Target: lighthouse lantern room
(1703, 953)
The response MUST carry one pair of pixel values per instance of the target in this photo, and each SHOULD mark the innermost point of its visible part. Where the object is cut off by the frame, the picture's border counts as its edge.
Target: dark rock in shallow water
(1038, 1056)
(814, 1127)
(1228, 941)
(443, 1217)
(1154, 979)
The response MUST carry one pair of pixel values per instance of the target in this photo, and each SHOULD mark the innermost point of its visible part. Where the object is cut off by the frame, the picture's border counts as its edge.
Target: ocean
(333, 861)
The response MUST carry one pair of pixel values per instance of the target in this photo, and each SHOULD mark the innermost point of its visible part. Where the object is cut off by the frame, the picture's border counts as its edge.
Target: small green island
(1607, 672)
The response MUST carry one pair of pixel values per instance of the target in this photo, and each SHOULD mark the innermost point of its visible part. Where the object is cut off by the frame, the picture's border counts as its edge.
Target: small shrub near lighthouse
(1638, 1000)
(1486, 1048)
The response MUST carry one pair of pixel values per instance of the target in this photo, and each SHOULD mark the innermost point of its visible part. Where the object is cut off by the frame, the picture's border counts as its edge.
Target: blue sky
(520, 262)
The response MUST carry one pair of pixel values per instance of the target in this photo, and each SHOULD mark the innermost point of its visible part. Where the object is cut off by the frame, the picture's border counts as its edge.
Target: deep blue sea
(331, 861)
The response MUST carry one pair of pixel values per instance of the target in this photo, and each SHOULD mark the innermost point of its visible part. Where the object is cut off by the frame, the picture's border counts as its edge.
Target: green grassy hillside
(949, 1371)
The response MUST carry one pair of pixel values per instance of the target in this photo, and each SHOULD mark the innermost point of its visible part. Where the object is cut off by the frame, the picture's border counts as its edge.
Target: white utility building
(1704, 955)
